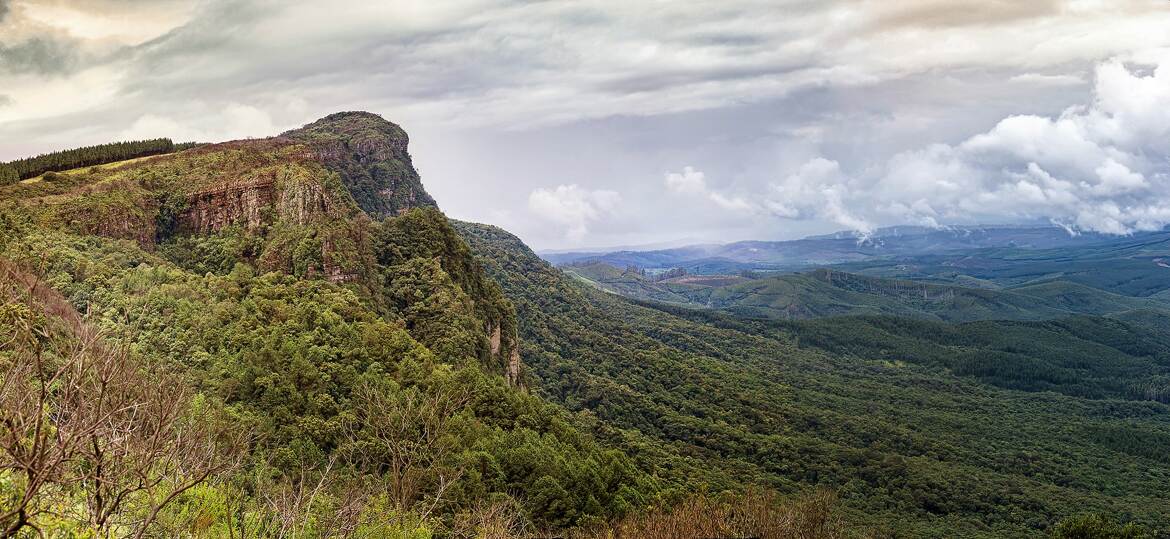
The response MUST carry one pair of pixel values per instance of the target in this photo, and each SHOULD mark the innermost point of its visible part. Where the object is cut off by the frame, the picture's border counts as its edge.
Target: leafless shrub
(757, 514)
(404, 437)
(291, 502)
(81, 418)
(497, 520)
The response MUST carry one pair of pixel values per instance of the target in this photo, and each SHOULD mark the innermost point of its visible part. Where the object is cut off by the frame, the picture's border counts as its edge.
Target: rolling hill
(828, 292)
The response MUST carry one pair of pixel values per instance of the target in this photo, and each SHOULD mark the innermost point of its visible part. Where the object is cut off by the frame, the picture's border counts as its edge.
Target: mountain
(842, 247)
(282, 312)
(1127, 265)
(370, 156)
(285, 337)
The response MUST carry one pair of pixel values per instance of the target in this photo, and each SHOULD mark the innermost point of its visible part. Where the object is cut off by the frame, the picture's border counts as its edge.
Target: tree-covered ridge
(1127, 266)
(315, 373)
(912, 447)
(420, 250)
(373, 357)
(88, 156)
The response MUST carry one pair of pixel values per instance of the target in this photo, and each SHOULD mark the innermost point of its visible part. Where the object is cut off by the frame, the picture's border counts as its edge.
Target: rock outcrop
(370, 154)
(505, 350)
(217, 208)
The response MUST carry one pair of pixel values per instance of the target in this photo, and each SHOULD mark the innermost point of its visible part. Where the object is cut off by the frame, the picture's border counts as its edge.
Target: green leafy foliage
(1082, 356)
(438, 287)
(287, 356)
(1095, 526)
(910, 445)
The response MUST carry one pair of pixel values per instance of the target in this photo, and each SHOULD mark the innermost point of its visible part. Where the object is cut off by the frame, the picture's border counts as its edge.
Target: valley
(359, 364)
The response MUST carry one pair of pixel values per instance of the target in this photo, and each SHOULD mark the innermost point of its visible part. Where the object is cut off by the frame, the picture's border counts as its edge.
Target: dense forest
(913, 439)
(89, 156)
(285, 338)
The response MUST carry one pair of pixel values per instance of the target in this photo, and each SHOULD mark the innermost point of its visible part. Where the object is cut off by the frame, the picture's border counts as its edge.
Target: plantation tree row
(88, 156)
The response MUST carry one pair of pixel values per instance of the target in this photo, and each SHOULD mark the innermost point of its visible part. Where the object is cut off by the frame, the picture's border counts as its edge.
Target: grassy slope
(909, 446)
(617, 281)
(104, 166)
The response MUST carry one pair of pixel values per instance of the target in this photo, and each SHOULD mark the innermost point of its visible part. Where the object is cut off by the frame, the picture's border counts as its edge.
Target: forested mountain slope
(356, 375)
(915, 440)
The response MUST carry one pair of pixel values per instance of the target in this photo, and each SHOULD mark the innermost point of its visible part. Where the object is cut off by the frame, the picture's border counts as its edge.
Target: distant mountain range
(1107, 276)
(837, 248)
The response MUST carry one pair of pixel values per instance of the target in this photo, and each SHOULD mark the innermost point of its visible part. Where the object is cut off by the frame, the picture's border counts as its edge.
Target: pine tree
(8, 175)
(84, 157)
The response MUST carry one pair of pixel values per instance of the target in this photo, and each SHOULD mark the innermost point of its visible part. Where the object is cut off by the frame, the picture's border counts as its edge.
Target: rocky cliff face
(215, 209)
(506, 351)
(255, 204)
(370, 155)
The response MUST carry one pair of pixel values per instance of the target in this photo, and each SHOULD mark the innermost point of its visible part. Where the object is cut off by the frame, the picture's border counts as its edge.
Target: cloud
(818, 190)
(693, 183)
(39, 55)
(687, 182)
(1100, 167)
(572, 208)
(234, 121)
(746, 90)
(946, 14)
(1061, 79)
(507, 65)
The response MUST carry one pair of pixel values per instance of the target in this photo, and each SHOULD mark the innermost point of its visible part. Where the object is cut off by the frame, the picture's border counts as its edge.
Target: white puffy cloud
(1101, 166)
(693, 183)
(572, 207)
(687, 182)
(818, 190)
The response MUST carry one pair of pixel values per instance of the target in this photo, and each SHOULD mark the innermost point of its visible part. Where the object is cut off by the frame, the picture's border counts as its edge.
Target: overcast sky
(600, 123)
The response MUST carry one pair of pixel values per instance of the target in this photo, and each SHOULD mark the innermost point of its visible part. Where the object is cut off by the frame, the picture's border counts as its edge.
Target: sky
(596, 123)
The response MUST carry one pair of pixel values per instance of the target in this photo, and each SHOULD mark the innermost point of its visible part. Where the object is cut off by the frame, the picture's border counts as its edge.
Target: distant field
(106, 166)
(708, 280)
